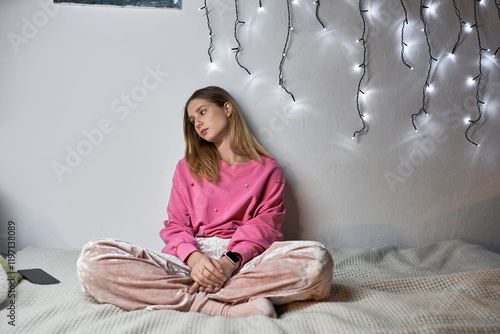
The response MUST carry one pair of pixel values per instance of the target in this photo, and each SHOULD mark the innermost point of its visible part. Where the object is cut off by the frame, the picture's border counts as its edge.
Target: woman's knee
(316, 268)
(92, 252)
(317, 251)
(324, 257)
(320, 273)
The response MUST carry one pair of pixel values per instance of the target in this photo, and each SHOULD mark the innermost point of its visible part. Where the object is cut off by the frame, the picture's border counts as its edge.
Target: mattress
(445, 287)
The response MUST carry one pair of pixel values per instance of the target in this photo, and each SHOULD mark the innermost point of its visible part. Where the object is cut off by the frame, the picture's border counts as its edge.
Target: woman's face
(209, 120)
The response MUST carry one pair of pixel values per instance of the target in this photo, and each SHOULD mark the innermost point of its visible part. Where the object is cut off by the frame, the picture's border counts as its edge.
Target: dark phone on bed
(37, 276)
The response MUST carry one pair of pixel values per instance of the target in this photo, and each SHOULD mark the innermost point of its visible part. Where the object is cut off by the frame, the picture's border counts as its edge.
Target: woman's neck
(227, 155)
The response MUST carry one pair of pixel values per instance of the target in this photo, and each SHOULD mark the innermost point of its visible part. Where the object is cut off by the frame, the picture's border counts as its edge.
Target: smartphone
(37, 276)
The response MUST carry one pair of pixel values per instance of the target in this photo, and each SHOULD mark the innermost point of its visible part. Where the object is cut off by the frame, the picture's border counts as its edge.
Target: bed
(445, 287)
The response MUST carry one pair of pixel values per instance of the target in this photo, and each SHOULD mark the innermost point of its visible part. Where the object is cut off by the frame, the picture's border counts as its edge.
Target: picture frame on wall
(173, 4)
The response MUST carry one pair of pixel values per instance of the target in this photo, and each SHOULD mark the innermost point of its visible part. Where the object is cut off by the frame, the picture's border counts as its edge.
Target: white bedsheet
(446, 287)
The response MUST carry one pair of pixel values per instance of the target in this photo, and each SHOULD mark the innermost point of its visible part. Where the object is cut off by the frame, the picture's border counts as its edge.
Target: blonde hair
(201, 156)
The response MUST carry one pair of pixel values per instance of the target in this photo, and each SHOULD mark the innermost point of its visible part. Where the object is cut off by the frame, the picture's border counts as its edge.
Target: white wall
(74, 70)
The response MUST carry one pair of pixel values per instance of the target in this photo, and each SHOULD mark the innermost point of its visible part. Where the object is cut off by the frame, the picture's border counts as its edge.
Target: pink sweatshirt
(246, 206)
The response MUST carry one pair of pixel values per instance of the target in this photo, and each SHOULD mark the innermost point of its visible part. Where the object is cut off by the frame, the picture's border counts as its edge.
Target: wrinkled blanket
(445, 287)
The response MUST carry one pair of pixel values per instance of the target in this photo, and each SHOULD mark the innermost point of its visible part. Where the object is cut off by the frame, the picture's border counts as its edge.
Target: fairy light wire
(403, 44)
(461, 23)
(285, 48)
(431, 59)
(317, 3)
(478, 78)
(211, 43)
(497, 4)
(237, 22)
(363, 66)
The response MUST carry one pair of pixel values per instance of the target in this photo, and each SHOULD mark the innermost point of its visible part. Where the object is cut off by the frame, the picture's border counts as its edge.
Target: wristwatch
(232, 257)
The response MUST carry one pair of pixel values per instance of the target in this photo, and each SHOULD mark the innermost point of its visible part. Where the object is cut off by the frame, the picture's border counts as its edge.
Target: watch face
(232, 257)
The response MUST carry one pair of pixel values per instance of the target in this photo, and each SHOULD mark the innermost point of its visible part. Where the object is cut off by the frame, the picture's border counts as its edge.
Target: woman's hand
(228, 268)
(207, 273)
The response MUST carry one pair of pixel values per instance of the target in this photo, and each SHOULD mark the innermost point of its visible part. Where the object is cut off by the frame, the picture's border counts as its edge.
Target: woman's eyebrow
(198, 109)
(191, 117)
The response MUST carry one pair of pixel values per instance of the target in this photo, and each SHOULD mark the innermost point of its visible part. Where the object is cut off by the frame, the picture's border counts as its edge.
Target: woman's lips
(203, 131)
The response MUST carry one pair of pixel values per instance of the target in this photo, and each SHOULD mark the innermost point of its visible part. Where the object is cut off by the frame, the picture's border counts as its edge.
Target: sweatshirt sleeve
(178, 232)
(258, 233)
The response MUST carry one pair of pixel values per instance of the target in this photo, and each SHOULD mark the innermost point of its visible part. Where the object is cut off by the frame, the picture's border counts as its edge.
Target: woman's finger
(194, 288)
(206, 281)
(207, 272)
(201, 278)
(217, 265)
(211, 276)
(216, 271)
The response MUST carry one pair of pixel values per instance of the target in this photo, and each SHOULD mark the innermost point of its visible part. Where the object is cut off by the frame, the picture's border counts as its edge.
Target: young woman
(223, 253)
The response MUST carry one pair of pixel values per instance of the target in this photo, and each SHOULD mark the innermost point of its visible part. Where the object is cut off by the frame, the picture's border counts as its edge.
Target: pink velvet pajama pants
(131, 277)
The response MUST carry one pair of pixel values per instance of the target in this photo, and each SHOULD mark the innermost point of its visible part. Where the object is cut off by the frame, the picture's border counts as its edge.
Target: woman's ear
(228, 109)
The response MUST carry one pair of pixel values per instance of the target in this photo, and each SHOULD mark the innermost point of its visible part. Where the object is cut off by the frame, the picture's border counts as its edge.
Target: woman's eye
(203, 112)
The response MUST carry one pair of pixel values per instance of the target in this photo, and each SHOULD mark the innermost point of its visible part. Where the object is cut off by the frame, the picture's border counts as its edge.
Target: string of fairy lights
(403, 44)
(424, 8)
(317, 3)
(461, 24)
(237, 23)
(363, 129)
(285, 49)
(497, 4)
(431, 60)
(477, 78)
(211, 43)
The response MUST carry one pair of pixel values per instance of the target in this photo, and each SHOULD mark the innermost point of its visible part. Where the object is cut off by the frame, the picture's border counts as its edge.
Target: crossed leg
(132, 277)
